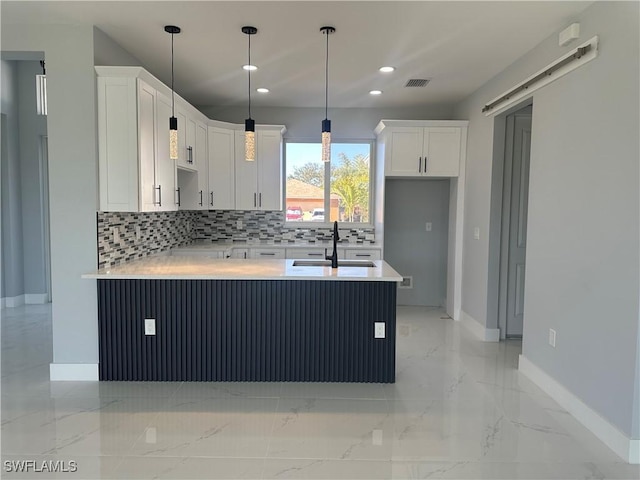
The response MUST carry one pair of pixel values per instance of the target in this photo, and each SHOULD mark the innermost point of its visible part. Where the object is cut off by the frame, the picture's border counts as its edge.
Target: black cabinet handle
(159, 188)
(267, 253)
(363, 254)
(189, 154)
(314, 254)
(200, 197)
(178, 190)
(212, 199)
(420, 165)
(425, 164)
(260, 199)
(254, 200)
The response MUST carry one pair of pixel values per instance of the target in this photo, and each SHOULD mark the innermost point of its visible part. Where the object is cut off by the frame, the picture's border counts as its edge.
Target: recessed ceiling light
(375, 92)
(387, 69)
(250, 67)
(262, 90)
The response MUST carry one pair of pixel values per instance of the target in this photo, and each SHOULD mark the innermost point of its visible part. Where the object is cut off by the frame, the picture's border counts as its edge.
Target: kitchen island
(246, 320)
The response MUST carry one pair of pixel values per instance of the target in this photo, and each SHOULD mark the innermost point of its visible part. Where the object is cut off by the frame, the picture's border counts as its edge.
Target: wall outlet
(138, 233)
(379, 330)
(476, 233)
(427, 226)
(239, 224)
(151, 435)
(149, 326)
(115, 231)
(552, 337)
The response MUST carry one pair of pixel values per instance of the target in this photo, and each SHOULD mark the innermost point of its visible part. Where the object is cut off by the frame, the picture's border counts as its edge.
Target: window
(324, 192)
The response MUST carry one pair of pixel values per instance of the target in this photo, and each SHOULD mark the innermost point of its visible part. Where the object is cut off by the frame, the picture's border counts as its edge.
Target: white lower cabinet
(311, 253)
(267, 253)
(362, 254)
(240, 253)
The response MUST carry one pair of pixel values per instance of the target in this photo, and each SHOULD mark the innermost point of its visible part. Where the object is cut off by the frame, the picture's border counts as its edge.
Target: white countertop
(164, 267)
(224, 246)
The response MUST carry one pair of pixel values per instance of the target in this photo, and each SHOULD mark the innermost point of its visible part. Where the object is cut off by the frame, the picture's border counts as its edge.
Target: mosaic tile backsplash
(240, 226)
(143, 234)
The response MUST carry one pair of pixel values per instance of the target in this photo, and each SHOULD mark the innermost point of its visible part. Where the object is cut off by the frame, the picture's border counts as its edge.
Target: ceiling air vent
(417, 82)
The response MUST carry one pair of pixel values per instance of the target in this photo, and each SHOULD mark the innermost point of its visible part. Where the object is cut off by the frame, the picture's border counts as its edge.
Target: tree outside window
(346, 197)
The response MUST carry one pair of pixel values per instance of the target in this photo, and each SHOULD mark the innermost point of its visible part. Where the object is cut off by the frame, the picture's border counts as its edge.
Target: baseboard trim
(35, 298)
(483, 333)
(611, 436)
(13, 302)
(73, 372)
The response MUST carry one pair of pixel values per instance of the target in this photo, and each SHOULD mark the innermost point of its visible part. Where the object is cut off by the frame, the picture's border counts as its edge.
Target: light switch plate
(427, 226)
(379, 330)
(552, 337)
(476, 233)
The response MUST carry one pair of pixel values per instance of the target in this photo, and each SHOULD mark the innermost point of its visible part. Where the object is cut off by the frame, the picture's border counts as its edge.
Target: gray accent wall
(583, 275)
(408, 247)
(12, 281)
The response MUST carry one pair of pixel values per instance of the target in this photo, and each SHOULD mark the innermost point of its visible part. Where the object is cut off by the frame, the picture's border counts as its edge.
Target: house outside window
(319, 192)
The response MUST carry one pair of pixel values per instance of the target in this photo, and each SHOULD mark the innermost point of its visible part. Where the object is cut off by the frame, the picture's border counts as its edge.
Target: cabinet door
(246, 176)
(221, 191)
(442, 151)
(202, 164)
(165, 167)
(118, 144)
(147, 145)
(405, 151)
(269, 158)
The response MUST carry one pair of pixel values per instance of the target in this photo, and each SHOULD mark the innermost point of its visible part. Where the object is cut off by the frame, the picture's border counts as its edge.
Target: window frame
(327, 184)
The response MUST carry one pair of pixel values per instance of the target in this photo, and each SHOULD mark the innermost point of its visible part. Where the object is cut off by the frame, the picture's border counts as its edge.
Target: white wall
(346, 123)
(12, 270)
(32, 128)
(107, 52)
(582, 276)
(68, 51)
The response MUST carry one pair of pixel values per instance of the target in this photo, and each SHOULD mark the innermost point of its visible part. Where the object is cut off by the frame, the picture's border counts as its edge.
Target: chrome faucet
(333, 257)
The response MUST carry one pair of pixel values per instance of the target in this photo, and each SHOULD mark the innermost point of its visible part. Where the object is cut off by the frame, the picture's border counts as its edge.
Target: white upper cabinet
(422, 148)
(220, 193)
(135, 174)
(259, 183)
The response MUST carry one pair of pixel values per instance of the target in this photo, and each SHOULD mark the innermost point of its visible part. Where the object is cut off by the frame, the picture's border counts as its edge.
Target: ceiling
(459, 46)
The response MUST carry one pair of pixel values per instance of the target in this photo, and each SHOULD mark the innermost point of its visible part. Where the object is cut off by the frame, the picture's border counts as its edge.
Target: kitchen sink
(327, 263)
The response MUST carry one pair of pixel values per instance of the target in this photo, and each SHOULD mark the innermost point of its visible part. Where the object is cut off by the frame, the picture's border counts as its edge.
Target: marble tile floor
(459, 409)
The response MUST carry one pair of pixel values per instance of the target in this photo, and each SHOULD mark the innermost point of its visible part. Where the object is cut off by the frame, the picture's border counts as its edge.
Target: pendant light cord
(326, 79)
(249, 70)
(172, 91)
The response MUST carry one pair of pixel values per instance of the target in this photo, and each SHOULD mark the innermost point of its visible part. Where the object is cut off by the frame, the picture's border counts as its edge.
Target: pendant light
(249, 123)
(173, 121)
(326, 123)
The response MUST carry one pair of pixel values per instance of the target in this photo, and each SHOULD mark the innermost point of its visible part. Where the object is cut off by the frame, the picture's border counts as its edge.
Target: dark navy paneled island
(246, 320)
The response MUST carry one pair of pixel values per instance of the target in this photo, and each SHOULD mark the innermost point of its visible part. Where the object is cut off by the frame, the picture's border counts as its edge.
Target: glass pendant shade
(326, 140)
(173, 138)
(250, 140)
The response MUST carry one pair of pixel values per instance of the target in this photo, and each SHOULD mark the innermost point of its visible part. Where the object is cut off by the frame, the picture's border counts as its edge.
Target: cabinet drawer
(198, 253)
(267, 253)
(317, 253)
(362, 254)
